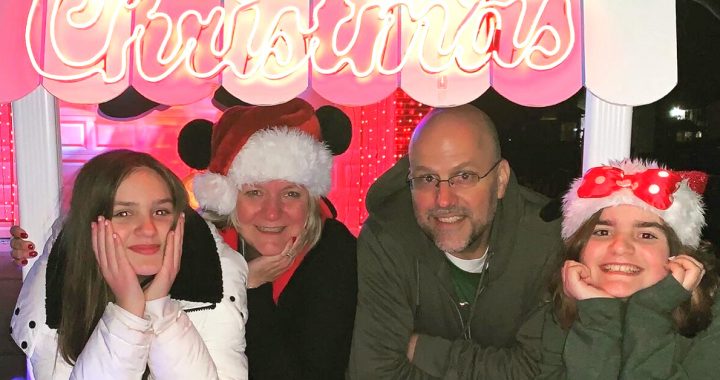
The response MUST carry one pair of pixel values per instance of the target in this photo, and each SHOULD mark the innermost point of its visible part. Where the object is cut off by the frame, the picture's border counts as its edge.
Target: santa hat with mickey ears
(255, 144)
(638, 183)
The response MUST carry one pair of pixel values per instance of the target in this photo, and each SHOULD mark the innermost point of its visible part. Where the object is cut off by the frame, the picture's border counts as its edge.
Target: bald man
(451, 261)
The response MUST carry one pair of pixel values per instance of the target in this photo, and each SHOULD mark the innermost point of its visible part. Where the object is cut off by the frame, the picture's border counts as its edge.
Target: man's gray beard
(474, 237)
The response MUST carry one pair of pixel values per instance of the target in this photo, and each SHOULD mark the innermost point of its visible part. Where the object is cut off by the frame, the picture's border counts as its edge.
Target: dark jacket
(307, 334)
(404, 287)
(633, 340)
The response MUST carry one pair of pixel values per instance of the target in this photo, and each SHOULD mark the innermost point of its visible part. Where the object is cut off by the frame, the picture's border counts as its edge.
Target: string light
(381, 133)
(9, 212)
(409, 113)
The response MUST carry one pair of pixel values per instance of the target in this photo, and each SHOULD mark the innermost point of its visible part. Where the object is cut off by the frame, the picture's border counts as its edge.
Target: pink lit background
(381, 132)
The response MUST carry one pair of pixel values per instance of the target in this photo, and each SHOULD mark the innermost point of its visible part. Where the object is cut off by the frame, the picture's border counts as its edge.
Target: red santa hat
(255, 144)
(638, 183)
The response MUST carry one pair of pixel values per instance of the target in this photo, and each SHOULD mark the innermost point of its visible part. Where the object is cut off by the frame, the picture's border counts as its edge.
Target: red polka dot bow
(653, 186)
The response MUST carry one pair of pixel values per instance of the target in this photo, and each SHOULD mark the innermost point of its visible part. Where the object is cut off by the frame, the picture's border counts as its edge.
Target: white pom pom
(215, 192)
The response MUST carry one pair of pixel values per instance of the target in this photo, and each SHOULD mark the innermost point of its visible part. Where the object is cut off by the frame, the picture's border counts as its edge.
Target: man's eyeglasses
(461, 181)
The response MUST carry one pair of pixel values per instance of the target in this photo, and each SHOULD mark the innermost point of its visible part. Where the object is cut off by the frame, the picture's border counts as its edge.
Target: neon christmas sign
(469, 47)
(439, 52)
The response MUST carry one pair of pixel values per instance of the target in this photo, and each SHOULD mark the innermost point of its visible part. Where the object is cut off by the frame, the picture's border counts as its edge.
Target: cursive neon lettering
(469, 47)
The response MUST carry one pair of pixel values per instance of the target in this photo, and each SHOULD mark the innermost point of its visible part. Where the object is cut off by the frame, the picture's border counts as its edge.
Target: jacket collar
(199, 278)
(504, 228)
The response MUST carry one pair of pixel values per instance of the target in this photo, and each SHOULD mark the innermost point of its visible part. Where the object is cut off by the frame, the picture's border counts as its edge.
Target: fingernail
(24, 235)
(31, 246)
(24, 262)
(115, 236)
(106, 222)
(33, 254)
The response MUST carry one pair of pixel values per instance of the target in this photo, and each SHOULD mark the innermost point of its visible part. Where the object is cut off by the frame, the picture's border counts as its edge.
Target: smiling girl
(636, 295)
(110, 301)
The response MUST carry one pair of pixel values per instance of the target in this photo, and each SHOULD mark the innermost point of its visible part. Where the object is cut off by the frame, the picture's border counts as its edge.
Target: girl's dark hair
(85, 294)
(691, 317)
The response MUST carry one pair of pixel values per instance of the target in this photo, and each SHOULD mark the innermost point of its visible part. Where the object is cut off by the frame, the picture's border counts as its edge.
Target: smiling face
(142, 216)
(457, 142)
(627, 251)
(270, 214)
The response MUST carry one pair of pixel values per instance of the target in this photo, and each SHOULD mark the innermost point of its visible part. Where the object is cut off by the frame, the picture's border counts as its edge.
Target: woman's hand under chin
(686, 270)
(576, 282)
(263, 269)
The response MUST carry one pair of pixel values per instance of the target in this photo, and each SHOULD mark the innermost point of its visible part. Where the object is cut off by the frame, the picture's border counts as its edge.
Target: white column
(37, 164)
(608, 130)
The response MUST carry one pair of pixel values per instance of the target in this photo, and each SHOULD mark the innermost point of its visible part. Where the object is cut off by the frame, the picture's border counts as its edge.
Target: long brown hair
(85, 294)
(691, 317)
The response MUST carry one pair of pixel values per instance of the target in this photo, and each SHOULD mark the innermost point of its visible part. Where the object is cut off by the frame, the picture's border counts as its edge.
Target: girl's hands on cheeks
(577, 282)
(115, 267)
(161, 284)
(686, 270)
(264, 269)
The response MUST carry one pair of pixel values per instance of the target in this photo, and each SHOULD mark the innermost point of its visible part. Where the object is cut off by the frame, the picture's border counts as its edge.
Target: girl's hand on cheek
(577, 282)
(686, 270)
(161, 284)
(115, 267)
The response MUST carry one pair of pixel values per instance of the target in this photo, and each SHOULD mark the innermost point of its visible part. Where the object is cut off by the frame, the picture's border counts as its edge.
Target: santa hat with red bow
(638, 183)
(255, 144)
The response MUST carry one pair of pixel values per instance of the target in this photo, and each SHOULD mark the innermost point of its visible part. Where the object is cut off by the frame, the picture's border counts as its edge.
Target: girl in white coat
(112, 299)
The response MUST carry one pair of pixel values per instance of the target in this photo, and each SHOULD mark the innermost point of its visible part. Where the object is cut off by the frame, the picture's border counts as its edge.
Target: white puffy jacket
(183, 337)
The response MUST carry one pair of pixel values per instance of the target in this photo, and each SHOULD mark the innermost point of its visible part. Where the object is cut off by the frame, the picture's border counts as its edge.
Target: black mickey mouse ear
(130, 104)
(335, 127)
(552, 210)
(194, 143)
(223, 99)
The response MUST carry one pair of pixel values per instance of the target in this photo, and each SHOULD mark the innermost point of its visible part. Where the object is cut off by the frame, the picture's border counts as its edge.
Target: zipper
(465, 328)
(208, 307)
(467, 333)
(417, 296)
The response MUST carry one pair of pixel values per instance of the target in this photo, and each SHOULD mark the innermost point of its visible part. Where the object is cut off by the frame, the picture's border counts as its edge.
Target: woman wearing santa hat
(267, 175)
(636, 296)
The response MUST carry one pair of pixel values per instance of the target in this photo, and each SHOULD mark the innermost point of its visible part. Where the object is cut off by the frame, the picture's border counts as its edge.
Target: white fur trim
(215, 192)
(685, 216)
(286, 154)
